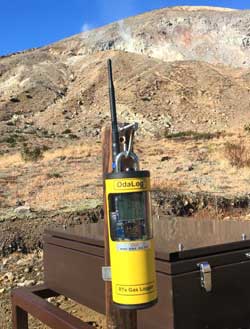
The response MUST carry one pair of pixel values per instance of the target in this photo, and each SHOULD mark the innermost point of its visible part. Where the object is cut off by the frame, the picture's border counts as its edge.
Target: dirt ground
(19, 270)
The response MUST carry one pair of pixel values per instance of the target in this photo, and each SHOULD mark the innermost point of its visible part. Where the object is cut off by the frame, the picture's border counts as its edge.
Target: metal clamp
(133, 126)
(206, 276)
(106, 273)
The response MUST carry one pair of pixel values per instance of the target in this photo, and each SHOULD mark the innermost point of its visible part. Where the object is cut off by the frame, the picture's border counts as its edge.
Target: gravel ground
(19, 270)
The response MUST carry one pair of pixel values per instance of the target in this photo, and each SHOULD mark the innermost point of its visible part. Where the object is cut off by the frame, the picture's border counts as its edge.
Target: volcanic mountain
(175, 69)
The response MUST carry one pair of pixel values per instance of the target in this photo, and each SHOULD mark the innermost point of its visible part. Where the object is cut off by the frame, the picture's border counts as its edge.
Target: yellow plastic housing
(132, 262)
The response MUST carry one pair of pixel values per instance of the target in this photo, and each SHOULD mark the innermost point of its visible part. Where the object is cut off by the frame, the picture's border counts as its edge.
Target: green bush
(247, 127)
(54, 175)
(31, 153)
(73, 136)
(67, 131)
(12, 140)
(192, 135)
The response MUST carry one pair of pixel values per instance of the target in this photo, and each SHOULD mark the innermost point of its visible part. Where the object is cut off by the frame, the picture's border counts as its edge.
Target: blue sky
(33, 23)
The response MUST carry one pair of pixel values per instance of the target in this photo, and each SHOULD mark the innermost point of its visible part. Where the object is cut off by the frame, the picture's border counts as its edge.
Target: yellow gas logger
(131, 241)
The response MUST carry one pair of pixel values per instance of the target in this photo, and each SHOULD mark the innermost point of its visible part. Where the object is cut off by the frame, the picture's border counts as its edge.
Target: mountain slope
(186, 33)
(41, 95)
(59, 92)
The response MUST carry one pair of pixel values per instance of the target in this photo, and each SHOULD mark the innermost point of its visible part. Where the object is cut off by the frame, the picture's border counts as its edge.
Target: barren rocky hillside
(175, 69)
(214, 35)
(183, 73)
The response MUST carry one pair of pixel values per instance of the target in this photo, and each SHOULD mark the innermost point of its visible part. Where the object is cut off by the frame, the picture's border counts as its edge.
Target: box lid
(175, 238)
(186, 238)
(87, 233)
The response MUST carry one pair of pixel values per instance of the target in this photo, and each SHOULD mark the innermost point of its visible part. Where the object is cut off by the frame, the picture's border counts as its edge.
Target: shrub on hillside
(31, 153)
(190, 134)
(237, 154)
(247, 127)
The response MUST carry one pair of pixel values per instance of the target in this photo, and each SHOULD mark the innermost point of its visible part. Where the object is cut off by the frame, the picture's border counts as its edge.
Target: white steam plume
(128, 43)
(86, 27)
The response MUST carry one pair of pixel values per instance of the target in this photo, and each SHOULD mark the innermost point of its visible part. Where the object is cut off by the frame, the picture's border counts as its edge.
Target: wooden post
(115, 317)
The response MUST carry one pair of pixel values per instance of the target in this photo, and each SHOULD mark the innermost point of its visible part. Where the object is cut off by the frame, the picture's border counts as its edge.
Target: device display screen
(130, 216)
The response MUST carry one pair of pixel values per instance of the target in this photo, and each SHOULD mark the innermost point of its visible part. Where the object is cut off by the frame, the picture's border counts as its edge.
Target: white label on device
(132, 246)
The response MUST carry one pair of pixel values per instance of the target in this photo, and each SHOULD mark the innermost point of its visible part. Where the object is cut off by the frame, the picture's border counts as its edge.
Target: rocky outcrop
(214, 35)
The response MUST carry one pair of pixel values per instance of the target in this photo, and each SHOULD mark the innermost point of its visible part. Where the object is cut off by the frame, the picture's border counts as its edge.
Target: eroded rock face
(214, 35)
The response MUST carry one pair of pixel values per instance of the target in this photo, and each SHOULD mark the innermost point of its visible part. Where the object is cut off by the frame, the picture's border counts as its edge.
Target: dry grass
(75, 186)
(8, 161)
(70, 177)
(80, 150)
(66, 192)
(165, 184)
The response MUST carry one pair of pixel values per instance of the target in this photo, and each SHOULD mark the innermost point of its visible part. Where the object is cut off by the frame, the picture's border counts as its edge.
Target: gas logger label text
(135, 246)
(135, 290)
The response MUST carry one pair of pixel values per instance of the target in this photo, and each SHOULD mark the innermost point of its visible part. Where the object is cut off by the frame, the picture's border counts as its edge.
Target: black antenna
(115, 133)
